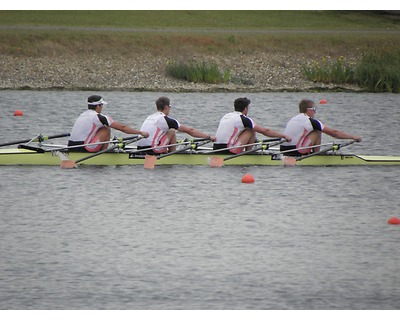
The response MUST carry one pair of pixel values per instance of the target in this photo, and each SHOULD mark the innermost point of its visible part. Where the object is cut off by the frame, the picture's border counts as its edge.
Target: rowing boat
(20, 156)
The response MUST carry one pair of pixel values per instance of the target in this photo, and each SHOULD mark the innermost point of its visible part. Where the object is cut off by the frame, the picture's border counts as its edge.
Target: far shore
(258, 72)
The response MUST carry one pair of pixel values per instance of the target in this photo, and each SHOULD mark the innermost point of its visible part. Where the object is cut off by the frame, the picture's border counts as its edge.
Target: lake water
(181, 237)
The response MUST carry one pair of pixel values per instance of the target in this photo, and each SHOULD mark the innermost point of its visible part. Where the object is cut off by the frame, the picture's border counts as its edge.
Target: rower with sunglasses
(306, 131)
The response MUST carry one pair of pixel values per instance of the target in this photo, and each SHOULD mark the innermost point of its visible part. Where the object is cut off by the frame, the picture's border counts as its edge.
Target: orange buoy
(323, 101)
(394, 220)
(248, 178)
(18, 113)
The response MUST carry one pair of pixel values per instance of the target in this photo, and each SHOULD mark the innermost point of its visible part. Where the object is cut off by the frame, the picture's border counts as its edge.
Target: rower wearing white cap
(93, 127)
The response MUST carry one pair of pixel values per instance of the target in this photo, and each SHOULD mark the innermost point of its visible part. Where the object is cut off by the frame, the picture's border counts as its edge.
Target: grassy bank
(67, 42)
(197, 35)
(316, 33)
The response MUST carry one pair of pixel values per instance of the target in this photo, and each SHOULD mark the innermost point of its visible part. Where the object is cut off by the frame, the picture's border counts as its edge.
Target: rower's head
(163, 105)
(95, 101)
(308, 107)
(242, 104)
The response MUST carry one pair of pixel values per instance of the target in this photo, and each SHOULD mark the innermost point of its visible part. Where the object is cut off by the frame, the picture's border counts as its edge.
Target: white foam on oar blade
(216, 162)
(149, 161)
(289, 161)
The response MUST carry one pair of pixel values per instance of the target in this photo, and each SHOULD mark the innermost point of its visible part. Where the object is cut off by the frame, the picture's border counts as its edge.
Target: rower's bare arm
(195, 133)
(340, 134)
(271, 133)
(127, 129)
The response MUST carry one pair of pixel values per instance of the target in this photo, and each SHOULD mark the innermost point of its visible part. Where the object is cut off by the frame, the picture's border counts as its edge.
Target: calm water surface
(195, 237)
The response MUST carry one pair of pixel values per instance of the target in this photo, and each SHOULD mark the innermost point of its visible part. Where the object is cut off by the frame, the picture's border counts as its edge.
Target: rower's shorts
(157, 150)
(93, 148)
(218, 146)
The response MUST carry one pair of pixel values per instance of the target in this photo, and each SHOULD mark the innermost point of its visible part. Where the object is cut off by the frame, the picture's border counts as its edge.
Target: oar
(291, 161)
(65, 148)
(302, 148)
(115, 140)
(150, 160)
(38, 138)
(218, 161)
(245, 145)
(179, 143)
(70, 164)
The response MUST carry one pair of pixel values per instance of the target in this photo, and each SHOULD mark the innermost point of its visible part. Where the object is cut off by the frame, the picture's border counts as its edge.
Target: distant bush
(377, 72)
(197, 72)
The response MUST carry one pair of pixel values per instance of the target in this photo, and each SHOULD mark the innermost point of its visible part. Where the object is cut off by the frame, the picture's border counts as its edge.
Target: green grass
(205, 32)
(229, 19)
(34, 43)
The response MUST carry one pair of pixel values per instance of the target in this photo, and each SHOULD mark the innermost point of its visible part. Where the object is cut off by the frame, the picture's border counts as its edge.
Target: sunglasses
(313, 109)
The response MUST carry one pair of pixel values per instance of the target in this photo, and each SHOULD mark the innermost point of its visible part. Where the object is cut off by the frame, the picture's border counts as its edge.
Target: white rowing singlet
(230, 127)
(87, 124)
(299, 127)
(157, 125)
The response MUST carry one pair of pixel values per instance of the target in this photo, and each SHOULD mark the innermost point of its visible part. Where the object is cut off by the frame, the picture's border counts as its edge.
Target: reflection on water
(195, 237)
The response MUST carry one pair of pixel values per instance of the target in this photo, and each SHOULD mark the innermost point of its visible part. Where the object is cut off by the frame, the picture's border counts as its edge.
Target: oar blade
(65, 162)
(289, 161)
(149, 161)
(216, 162)
(68, 164)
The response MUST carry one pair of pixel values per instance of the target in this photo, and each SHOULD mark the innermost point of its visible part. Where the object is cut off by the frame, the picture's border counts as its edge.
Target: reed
(379, 71)
(197, 72)
(330, 71)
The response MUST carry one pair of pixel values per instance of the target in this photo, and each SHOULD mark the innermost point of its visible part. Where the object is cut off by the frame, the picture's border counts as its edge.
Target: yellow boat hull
(29, 157)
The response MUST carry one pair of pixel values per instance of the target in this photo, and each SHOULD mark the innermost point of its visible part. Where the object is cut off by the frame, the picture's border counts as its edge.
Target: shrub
(197, 72)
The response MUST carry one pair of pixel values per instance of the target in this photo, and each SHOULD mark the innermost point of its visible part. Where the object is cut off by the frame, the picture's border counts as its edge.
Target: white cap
(95, 100)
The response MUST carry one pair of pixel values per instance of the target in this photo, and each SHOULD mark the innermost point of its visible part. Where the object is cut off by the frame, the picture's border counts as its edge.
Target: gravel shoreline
(258, 72)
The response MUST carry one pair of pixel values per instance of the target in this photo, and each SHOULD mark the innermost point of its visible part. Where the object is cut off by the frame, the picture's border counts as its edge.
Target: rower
(92, 128)
(237, 132)
(306, 131)
(162, 129)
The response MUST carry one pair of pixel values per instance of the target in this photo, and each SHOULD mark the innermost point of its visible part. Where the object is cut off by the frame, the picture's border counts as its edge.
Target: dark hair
(305, 104)
(92, 101)
(162, 102)
(241, 103)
